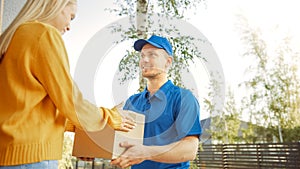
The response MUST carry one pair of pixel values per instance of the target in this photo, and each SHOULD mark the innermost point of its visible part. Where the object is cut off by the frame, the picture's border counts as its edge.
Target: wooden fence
(249, 156)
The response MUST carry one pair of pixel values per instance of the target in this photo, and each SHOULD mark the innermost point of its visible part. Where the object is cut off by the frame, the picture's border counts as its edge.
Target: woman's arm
(50, 66)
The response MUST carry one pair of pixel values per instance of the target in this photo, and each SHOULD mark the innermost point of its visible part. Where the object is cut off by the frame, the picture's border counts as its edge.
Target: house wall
(9, 10)
(1, 14)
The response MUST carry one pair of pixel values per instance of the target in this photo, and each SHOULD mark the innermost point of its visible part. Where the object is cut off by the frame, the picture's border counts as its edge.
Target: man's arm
(181, 151)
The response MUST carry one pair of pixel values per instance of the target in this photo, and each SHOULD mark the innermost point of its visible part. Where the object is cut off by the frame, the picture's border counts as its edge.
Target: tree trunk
(141, 24)
(141, 18)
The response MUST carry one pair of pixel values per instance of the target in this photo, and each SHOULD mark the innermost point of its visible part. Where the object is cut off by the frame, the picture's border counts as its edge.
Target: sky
(216, 20)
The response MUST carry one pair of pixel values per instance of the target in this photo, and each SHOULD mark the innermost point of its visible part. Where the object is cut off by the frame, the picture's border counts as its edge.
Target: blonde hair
(33, 10)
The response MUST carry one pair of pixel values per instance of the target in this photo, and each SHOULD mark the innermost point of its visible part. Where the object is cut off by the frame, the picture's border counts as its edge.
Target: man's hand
(134, 154)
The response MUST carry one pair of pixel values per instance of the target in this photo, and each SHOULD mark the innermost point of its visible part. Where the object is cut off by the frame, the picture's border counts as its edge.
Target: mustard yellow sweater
(38, 95)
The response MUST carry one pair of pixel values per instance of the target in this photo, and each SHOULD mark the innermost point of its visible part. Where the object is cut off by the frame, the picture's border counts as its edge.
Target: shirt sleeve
(188, 118)
(51, 68)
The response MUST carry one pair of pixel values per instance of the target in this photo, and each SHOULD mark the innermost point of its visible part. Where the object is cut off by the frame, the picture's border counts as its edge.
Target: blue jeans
(48, 164)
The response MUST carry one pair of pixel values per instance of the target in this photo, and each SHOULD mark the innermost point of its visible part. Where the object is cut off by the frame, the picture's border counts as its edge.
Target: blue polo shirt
(171, 114)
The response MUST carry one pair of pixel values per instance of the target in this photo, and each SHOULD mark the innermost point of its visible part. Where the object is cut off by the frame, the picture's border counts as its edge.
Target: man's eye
(152, 55)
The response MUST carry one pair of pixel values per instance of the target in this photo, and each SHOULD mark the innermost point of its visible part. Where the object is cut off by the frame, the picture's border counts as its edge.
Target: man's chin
(147, 74)
(150, 74)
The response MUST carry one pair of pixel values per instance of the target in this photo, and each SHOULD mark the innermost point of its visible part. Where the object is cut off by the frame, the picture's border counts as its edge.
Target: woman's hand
(128, 123)
(86, 158)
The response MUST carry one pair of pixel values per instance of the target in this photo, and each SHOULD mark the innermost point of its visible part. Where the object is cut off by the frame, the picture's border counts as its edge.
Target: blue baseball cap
(157, 41)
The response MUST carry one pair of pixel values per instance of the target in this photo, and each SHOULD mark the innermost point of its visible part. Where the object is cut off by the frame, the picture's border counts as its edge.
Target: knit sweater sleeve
(51, 68)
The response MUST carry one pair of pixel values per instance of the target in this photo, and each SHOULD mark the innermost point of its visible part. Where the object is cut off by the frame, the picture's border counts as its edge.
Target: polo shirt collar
(160, 94)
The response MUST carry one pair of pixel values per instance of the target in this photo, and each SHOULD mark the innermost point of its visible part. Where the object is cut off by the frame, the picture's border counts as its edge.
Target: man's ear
(169, 61)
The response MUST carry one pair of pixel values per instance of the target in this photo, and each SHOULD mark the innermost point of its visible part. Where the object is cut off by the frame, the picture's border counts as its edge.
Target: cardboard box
(105, 143)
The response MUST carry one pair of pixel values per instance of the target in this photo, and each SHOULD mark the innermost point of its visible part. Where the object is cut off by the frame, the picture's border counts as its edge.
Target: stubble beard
(152, 74)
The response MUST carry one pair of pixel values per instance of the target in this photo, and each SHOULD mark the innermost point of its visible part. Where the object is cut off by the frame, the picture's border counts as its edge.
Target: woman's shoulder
(35, 27)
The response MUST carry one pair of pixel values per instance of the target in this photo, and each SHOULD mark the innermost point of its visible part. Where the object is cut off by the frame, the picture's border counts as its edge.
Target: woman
(38, 94)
